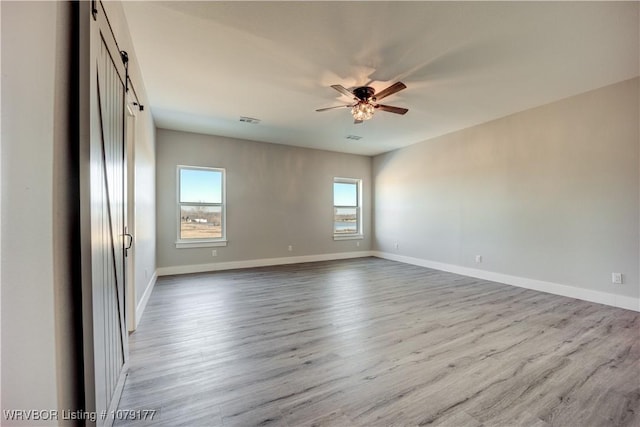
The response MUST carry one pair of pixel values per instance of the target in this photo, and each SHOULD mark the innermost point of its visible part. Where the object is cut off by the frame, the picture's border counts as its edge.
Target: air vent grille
(251, 120)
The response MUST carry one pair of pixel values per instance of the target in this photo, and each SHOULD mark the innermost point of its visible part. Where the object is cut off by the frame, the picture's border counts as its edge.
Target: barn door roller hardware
(127, 81)
(124, 56)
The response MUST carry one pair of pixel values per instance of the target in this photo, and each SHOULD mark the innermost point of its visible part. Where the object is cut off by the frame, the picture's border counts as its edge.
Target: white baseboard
(142, 304)
(263, 262)
(606, 298)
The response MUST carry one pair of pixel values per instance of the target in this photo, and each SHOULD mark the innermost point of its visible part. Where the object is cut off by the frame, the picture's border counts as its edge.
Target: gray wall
(145, 196)
(38, 361)
(277, 196)
(551, 193)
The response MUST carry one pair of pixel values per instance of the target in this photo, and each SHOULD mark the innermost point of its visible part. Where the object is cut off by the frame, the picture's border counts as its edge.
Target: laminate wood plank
(370, 342)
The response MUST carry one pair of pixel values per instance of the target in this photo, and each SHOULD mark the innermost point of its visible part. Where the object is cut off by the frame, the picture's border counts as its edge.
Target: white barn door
(104, 314)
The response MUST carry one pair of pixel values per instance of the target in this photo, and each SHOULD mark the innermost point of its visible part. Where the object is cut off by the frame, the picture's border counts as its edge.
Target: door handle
(130, 240)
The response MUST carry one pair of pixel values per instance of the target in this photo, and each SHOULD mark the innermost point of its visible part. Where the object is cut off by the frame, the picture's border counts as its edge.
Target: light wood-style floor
(371, 342)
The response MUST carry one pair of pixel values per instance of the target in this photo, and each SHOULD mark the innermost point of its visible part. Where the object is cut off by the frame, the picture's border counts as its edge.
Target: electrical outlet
(214, 253)
(358, 244)
(290, 248)
(616, 278)
(478, 258)
(395, 245)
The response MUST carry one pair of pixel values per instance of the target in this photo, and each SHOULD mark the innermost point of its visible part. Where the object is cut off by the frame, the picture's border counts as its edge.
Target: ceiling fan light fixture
(366, 101)
(362, 111)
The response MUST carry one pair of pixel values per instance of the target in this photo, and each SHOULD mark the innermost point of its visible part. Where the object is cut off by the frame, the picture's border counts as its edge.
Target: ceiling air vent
(251, 120)
(354, 137)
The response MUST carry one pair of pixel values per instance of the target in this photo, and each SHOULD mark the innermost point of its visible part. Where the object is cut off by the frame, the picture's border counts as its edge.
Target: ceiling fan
(366, 101)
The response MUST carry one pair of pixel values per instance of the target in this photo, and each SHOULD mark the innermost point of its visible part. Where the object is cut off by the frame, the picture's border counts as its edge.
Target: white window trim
(359, 235)
(348, 237)
(184, 244)
(202, 243)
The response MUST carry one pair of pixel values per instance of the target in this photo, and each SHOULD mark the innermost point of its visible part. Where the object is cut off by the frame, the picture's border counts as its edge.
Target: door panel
(104, 315)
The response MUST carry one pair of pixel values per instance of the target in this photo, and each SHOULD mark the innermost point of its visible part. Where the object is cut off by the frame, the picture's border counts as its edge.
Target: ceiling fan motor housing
(364, 93)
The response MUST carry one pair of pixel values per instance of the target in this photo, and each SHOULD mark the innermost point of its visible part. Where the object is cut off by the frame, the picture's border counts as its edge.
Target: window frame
(358, 234)
(202, 242)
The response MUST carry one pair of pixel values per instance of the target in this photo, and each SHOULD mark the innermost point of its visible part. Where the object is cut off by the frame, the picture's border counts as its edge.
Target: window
(347, 210)
(201, 207)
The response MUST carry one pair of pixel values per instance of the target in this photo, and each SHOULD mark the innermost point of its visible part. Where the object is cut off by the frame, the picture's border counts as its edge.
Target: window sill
(201, 244)
(348, 237)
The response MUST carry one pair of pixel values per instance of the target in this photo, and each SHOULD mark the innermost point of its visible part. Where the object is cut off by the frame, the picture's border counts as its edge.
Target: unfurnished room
(320, 213)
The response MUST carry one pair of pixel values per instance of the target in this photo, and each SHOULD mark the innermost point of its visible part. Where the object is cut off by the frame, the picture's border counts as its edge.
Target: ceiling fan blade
(333, 108)
(396, 87)
(344, 91)
(357, 122)
(390, 109)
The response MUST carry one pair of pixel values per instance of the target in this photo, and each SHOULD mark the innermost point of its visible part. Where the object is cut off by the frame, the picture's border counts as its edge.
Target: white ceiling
(205, 64)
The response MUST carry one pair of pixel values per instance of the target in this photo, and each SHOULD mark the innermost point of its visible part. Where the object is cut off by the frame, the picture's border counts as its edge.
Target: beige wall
(551, 193)
(38, 359)
(276, 196)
